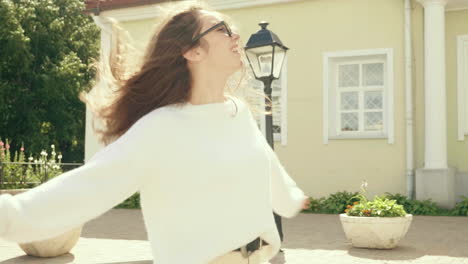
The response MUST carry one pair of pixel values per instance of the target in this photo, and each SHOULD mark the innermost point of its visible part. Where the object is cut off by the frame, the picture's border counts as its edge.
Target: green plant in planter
(379, 207)
(401, 200)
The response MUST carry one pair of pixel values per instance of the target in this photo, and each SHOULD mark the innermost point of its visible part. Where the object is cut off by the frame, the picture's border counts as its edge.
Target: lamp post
(265, 53)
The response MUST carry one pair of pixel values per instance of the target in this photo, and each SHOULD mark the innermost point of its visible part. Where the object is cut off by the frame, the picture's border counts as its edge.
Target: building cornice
(148, 11)
(132, 13)
(449, 5)
(433, 2)
(456, 5)
(234, 4)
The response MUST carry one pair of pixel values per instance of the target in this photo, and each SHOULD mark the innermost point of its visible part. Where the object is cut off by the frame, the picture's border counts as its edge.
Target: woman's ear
(194, 54)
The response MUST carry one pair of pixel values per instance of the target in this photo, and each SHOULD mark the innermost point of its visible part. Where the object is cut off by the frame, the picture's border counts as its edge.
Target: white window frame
(331, 97)
(462, 86)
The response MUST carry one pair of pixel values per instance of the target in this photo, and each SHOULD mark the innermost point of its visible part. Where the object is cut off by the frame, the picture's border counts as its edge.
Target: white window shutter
(259, 104)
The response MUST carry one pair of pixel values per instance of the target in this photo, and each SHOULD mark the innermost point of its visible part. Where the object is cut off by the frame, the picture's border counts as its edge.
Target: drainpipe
(409, 103)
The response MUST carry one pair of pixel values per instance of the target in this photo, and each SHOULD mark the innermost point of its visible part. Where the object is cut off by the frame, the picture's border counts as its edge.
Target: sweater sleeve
(287, 197)
(77, 196)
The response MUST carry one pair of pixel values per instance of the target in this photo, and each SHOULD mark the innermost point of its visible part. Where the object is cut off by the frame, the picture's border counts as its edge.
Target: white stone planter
(51, 247)
(375, 232)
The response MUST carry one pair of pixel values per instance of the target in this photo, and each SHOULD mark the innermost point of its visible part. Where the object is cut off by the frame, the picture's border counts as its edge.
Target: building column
(434, 85)
(435, 181)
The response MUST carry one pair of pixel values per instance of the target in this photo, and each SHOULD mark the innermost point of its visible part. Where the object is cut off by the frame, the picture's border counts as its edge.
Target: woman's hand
(306, 204)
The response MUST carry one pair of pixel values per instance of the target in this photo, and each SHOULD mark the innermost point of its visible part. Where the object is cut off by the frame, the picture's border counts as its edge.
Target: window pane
(349, 101)
(372, 73)
(348, 75)
(373, 100)
(373, 121)
(349, 122)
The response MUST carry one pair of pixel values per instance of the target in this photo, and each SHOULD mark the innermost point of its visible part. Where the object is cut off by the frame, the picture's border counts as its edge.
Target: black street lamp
(265, 53)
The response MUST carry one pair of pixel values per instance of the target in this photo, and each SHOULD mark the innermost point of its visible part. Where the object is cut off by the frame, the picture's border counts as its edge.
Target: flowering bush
(16, 172)
(379, 207)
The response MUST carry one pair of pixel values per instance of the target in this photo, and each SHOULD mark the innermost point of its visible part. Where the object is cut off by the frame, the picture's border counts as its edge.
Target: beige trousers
(260, 256)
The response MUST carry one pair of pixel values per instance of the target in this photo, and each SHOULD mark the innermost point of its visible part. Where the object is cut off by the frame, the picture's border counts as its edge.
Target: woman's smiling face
(223, 51)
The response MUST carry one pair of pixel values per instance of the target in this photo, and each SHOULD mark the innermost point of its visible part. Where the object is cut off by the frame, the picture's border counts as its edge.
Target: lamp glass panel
(280, 53)
(260, 59)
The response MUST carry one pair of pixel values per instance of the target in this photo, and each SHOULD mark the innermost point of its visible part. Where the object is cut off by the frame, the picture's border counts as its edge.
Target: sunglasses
(221, 25)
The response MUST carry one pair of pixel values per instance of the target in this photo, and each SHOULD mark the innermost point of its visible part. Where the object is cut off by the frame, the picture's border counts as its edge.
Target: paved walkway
(118, 237)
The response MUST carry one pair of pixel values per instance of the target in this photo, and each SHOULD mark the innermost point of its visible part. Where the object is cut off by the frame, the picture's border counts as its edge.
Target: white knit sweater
(208, 182)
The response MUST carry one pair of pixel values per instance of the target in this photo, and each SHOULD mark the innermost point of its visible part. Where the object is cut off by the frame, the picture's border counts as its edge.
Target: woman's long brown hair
(163, 77)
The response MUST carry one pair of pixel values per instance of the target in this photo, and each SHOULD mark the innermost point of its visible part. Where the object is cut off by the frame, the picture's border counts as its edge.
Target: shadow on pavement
(132, 262)
(278, 259)
(427, 236)
(399, 253)
(64, 259)
(123, 224)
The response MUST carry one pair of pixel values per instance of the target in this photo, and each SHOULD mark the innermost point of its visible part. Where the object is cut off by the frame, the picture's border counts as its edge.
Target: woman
(207, 178)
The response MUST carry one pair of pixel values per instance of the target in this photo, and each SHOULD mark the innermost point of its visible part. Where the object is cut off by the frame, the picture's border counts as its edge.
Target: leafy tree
(46, 49)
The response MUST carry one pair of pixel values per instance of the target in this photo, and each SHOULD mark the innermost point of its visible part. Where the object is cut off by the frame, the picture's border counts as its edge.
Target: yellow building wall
(310, 28)
(456, 24)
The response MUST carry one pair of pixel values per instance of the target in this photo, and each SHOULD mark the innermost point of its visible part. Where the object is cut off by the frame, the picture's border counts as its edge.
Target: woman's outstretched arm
(287, 198)
(77, 196)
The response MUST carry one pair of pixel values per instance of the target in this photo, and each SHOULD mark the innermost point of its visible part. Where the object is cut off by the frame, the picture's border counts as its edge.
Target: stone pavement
(118, 237)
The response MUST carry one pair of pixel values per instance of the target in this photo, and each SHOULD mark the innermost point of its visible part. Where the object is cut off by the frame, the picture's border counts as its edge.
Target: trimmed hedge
(336, 203)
